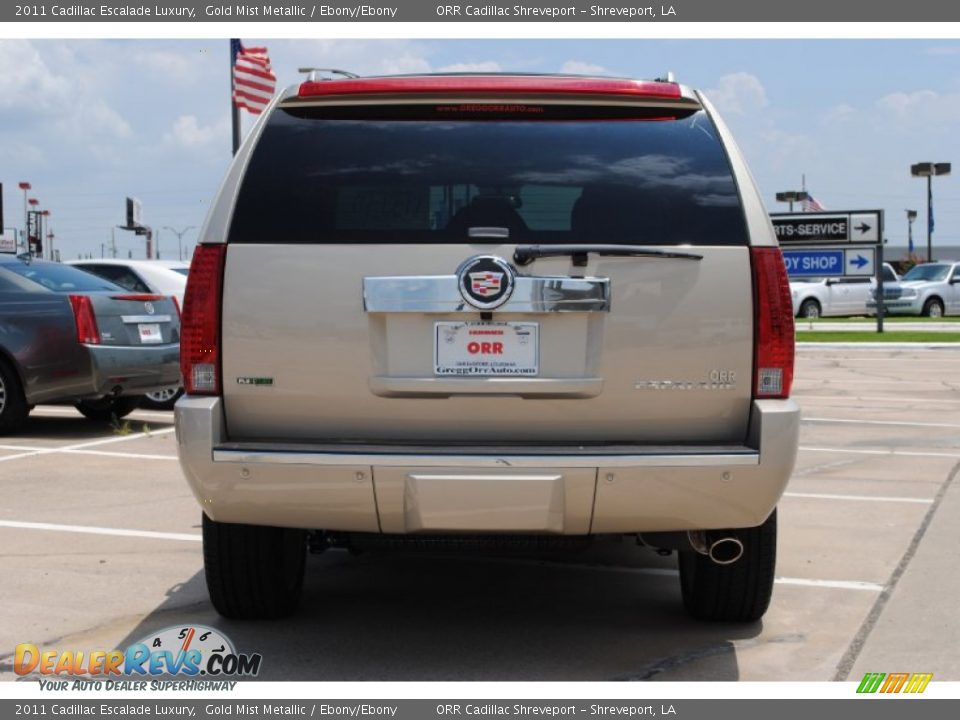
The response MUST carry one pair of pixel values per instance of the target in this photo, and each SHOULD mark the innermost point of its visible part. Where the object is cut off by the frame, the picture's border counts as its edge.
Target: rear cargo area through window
(457, 173)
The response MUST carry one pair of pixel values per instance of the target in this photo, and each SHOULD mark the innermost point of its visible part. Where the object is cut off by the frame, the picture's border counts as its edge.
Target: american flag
(811, 204)
(253, 80)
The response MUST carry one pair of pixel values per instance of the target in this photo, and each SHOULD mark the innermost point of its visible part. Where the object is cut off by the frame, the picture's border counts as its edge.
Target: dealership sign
(818, 228)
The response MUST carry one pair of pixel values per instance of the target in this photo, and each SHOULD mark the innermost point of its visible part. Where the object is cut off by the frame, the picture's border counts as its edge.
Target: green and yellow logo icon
(894, 682)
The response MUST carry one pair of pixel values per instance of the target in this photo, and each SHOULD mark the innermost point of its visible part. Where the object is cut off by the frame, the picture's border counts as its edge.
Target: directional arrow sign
(814, 263)
(864, 227)
(827, 228)
(830, 262)
(860, 261)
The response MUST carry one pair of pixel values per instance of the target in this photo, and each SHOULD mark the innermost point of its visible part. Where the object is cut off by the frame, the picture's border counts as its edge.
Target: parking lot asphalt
(99, 545)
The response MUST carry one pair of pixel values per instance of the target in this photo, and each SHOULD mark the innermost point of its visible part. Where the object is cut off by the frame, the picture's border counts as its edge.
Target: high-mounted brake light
(773, 325)
(87, 331)
(490, 84)
(200, 324)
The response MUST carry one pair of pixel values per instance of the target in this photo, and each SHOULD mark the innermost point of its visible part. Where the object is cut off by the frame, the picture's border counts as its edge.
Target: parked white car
(930, 289)
(161, 277)
(836, 296)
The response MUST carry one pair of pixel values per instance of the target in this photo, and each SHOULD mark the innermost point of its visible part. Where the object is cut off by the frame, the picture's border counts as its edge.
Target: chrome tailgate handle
(441, 294)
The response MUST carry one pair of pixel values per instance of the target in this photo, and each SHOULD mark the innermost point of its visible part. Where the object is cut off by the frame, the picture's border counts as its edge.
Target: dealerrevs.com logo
(193, 652)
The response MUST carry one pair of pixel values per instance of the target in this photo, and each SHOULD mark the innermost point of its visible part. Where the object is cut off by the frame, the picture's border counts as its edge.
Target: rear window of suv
(527, 173)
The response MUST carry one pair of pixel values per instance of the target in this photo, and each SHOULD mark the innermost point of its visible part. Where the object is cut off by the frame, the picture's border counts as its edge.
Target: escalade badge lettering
(485, 281)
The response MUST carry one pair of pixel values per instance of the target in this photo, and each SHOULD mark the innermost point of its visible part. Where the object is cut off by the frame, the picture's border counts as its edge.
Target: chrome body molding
(491, 460)
(441, 294)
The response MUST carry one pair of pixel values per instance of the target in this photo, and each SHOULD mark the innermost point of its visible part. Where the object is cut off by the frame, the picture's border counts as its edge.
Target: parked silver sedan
(69, 336)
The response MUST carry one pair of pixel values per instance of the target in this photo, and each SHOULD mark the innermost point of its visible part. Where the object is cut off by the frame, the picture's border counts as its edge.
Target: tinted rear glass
(59, 278)
(545, 174)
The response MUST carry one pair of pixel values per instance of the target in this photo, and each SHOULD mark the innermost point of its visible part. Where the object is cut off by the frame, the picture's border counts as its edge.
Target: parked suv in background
(930, 289)
(517, 310)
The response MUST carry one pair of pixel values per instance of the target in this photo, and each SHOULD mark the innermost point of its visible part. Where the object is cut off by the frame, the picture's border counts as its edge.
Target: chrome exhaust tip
(725, 551)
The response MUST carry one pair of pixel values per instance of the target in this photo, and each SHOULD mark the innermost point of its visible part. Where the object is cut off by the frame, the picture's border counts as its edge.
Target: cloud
(176, 66)
(577, 67)
(738, 93)
(36, 95)
(364, 57)
(27, 82)
(921, 108)
(480, 67)
(187, 132)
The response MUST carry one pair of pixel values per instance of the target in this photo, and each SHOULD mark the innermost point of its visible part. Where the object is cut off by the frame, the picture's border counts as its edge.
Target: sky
(90, 122)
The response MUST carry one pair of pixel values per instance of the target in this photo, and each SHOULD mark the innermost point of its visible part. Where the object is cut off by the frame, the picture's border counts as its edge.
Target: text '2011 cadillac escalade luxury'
(514, 309)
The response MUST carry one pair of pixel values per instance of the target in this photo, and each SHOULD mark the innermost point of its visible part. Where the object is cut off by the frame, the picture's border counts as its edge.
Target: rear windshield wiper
(526, 254)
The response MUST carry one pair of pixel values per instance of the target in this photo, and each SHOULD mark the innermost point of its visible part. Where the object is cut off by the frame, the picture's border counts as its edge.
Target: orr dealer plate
(486, 349)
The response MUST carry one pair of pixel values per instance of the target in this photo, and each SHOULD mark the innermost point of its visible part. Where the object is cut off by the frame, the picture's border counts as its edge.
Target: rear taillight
(176, 304)
(773, 325)
(87, 331)
(200, 324)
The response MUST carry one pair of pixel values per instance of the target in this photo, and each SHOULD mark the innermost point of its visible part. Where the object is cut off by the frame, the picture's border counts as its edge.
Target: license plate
(150, 333)
(486, 348)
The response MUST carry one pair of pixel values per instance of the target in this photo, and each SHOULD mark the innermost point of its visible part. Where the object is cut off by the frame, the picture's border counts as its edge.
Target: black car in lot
(67, 336)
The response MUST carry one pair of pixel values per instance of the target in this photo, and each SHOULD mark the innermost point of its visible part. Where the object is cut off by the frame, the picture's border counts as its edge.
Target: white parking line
(667, 572)
(870, 498)
(836, 584)
(658, 572)
(900, 453)
(903, 400)
(856, 381)
(132, 456)
(71, 412)
(899, 423)
(85, 445)
(87, 530)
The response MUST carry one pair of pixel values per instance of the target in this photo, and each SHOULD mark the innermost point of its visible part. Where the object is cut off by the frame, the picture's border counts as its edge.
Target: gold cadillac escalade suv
(504, 308)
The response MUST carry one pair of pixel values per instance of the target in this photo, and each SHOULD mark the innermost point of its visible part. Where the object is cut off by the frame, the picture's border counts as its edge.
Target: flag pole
(234, 110)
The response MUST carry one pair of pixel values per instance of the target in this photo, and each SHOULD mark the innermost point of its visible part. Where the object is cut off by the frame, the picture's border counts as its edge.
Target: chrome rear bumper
(551, 490)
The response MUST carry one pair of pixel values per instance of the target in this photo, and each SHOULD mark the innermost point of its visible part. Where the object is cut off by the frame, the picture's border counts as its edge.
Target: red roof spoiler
(491, 84)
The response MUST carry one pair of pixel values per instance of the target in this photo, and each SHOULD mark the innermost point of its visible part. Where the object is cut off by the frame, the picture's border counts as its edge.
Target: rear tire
(106, 409)
(253, 572)
(933, 308)
(739, 592)
(13, 406)
(810, 309)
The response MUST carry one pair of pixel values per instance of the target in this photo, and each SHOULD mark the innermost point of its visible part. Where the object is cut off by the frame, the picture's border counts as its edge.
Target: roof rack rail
(314, 76)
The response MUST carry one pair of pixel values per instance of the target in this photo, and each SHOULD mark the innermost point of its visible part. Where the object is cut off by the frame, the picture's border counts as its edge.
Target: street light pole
(25, 186)
(911, 216)
(179, 234)
(792, 196)
(928, 170)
